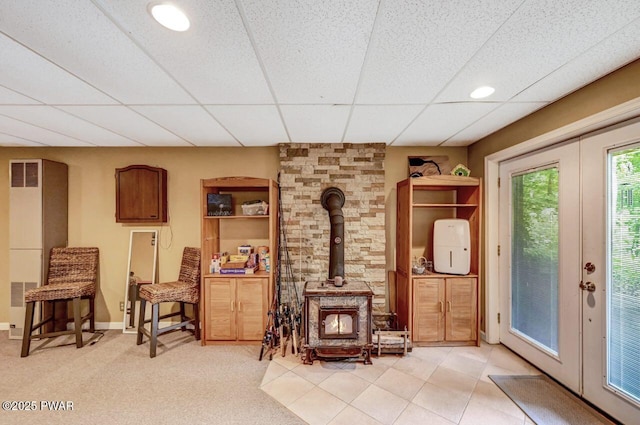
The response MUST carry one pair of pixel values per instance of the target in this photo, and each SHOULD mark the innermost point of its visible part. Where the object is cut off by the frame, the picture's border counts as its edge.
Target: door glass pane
(623, 330)
(534, 256)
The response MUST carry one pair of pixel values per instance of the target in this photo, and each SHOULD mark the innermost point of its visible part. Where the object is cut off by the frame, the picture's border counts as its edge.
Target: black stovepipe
(332, 200)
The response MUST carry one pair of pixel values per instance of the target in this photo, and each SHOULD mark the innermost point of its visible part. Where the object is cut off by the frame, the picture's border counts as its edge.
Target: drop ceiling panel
(7, 140)
(10, 97)
(419, 46)
(498, 118)
(126, 122)
(252, 125)
(61, 122)
(263, 72)
(213, 60)
(31, 75)
(82, 40)
(613, 52)
(439, 122)
(539, 38)
(313, 50)
(33, 133)
(379, 123)
(317, 123)
(190, 122)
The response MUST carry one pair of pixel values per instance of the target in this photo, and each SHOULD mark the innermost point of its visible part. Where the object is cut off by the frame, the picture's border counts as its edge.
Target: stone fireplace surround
(356, 169)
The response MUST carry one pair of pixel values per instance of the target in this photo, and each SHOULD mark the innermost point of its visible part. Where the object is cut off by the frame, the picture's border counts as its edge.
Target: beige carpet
(115, 382)
(546, 402)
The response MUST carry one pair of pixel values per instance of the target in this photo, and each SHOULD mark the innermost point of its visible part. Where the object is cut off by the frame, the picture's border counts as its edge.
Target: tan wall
(92, 203)
(92, 206)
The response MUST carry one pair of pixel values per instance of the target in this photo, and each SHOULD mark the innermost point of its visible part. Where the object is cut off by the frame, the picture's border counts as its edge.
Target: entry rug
(546, 402)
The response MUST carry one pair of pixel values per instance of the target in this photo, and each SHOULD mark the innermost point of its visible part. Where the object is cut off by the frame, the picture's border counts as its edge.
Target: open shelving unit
(234, 307)
(438, 309)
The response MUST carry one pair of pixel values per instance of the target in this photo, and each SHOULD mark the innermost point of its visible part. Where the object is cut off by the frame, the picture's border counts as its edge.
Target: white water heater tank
(451, 246)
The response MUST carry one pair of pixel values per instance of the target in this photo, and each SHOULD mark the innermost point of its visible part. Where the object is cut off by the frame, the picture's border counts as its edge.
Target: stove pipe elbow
(332, 200)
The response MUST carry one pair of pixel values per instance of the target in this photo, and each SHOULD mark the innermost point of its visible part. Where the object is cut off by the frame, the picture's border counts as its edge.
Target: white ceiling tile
(62, 122)
(419, 45)
(313, 50)
(539, 38)
(253, 125)
(190, 122)
(128, 123)
(8, 140)
(315, 123)
(613, 52)
(10, 97)
(81, 39)
(31, 75)
(379, 123)
(441, 121)
(498, 118)
(103, 72)
(213, 60)
(36, 134)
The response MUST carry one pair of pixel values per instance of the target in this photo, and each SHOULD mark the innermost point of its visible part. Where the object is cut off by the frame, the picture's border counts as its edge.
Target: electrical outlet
(121, 305)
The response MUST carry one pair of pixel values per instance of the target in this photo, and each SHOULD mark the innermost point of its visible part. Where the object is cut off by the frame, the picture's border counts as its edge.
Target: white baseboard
(4, 326)
(109, 325)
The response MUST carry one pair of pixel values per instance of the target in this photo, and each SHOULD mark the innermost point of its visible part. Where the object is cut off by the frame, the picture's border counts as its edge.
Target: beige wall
(92, 206)
(92, 203)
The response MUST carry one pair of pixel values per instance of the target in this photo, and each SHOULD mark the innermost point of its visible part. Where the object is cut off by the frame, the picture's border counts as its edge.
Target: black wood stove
(337, 311)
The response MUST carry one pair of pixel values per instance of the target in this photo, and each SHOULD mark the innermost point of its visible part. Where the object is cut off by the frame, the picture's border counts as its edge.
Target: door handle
(589, 286)
(590, 268)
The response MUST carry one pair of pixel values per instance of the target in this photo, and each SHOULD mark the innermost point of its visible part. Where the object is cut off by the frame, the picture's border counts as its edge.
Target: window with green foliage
(624, 274)
(534, 256)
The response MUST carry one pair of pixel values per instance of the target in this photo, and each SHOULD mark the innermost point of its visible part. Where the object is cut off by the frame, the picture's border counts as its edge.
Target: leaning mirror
(141, 270)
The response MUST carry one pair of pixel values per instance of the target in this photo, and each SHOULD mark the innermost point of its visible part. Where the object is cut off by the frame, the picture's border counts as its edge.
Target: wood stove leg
(366, 352)
(308, 355)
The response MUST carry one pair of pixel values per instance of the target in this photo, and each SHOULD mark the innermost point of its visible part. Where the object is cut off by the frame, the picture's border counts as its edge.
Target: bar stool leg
(28, 325)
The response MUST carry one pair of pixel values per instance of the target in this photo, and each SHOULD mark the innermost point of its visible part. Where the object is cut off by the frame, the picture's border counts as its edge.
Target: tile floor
(435, 385)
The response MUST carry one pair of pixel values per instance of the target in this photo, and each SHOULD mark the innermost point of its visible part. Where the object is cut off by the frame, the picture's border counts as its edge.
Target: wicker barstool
(72, 276)
(186, 290)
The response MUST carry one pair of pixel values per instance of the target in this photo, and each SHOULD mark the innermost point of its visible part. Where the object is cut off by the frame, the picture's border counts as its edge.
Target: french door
(570, 265)
(540, 260)
(611, 273)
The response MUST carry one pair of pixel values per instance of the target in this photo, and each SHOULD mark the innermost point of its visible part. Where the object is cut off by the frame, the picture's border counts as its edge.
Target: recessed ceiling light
(169, 16)
(482, 92)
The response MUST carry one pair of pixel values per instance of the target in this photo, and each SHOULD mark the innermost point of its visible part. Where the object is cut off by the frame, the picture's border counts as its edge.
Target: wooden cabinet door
(252, 305)
(461, 309)
(428, 312)
(141, 194)
(220, 309)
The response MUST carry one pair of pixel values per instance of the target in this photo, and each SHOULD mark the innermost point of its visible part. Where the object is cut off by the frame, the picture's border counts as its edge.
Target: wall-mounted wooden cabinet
(438, 309)
(235, 307)
(141, 194)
